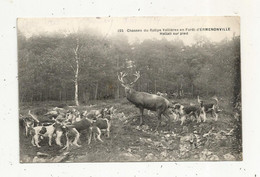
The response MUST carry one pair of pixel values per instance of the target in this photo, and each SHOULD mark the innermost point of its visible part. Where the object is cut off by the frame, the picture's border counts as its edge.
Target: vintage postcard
(129, 89)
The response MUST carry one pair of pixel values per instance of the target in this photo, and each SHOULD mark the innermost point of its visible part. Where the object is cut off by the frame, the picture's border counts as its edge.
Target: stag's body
(148, 101)
(144, 100)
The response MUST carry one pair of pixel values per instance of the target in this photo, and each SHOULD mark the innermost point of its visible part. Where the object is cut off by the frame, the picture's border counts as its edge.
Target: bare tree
(76, 50)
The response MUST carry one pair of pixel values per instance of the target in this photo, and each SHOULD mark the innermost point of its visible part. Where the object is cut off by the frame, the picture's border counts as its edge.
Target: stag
(144, 100)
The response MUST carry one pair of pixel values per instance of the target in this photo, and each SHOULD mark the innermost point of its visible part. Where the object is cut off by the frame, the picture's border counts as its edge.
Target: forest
(83, 66)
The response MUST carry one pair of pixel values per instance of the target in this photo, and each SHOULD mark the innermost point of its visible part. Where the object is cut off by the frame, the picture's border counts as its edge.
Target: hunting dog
(103, 124)
(162, 94)
(188, 111)
(74, 124)
(96, 113)
(42, 131)
(73, 116)
(28, 123)
(86, 124)
(67, 129)
(211, 108)
(72, 136)
(110, 112)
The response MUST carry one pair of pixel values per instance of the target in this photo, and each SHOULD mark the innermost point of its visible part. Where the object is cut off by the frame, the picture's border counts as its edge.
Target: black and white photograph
(129, 89)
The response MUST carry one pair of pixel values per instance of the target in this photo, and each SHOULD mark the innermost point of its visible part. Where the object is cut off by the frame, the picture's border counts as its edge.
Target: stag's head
(128, 86)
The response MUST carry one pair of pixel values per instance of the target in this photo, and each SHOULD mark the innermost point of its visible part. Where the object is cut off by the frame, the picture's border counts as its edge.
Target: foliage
(47, 64)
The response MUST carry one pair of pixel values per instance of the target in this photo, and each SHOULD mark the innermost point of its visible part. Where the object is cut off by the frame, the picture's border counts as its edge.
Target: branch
(227, 133)
(75, 50)
(72, 68)
(77, 47)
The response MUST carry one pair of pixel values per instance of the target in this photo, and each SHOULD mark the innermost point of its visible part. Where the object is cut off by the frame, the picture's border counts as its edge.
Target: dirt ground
(208, 141)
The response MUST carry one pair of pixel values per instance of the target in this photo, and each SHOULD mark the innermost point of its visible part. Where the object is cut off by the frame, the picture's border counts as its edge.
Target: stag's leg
(141, 118)
(169, 120)
(159, 114)
(216, 116)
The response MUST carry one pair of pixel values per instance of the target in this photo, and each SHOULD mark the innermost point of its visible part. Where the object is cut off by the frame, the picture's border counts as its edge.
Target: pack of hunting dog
(84, 97)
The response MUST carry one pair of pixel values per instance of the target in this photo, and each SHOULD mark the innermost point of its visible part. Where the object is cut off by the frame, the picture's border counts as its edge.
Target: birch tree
(68, 53)
(76, 50)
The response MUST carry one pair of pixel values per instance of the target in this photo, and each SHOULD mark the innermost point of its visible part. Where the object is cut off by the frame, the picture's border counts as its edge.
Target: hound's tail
(33, 116)
(70, 126)
(199, 101)
(216, 99)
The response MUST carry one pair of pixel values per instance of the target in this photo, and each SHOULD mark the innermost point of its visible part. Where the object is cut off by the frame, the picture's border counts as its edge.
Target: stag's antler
(137, 75)
(121, 77)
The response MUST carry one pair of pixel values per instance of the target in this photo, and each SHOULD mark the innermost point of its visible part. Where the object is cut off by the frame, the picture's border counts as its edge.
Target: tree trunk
(118, 86)
(76, 89)
(76, 73)
(155, 85)
(117, 90)
(65, 95)
(192, 90)
(181, 91)
(41, 96)
(85, 96)
(96, 91)
(48, 95)
(60, 95)
(22, 97)
(32, 98)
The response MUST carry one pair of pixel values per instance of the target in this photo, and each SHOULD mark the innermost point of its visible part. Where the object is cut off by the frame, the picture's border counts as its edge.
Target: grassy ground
(128, 142)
